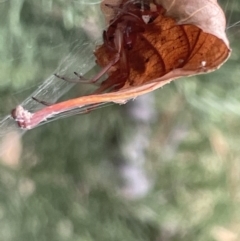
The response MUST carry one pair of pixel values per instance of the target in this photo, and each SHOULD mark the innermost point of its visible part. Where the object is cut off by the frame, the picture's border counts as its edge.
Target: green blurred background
(161, 168)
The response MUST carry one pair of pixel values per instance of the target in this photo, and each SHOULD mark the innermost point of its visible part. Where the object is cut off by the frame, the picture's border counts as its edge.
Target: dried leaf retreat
(147, 44)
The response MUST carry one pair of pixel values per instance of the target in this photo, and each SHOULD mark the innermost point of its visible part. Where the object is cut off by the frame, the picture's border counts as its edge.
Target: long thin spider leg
(118, 41)
(42, 102)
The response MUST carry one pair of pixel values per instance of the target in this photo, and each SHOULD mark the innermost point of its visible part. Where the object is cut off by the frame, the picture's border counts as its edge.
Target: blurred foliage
(62, 180)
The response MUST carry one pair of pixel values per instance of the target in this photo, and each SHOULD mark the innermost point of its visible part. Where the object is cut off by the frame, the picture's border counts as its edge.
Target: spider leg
(42, 101)
(118, 41)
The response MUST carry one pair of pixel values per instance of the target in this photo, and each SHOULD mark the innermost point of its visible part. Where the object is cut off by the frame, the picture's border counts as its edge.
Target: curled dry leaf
(148, 44)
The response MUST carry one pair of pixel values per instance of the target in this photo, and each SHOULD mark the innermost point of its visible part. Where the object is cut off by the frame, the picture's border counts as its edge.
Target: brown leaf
(188, 39)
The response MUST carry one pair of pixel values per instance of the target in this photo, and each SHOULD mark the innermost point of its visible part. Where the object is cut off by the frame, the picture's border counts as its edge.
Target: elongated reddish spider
(130, 19)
